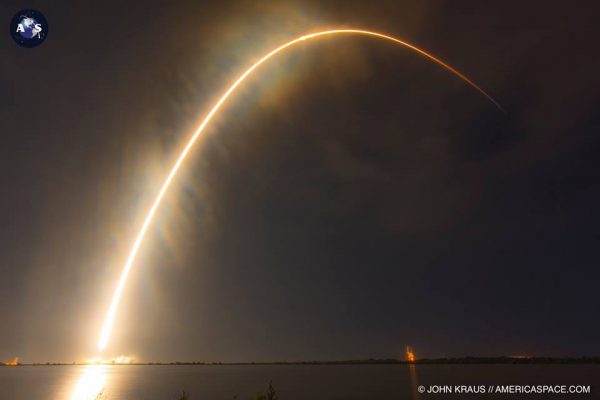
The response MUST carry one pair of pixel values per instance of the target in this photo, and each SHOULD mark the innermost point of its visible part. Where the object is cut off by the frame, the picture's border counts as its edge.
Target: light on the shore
(12, 363)
(410, 355)
(115, 360)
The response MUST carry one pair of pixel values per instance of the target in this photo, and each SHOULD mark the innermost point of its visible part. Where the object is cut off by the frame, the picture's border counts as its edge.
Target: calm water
(291, 382)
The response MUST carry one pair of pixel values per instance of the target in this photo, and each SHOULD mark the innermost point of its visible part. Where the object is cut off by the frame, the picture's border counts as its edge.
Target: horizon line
(461, 359)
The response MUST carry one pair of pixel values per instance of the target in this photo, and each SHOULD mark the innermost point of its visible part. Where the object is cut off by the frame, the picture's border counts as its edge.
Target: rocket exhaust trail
(110, 316)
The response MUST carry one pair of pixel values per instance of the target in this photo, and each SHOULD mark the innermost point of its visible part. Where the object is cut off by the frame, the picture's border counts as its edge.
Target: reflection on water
(414, 382)
(292, 382)
(90, 384)
(93, 379)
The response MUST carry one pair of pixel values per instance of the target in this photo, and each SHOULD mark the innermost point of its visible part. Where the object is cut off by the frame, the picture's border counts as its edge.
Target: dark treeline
(451, 360)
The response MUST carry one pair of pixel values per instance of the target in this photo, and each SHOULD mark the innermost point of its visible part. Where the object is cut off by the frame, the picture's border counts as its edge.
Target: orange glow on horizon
(109, 361)
(410, 356)
(12, 363)
(112, 310)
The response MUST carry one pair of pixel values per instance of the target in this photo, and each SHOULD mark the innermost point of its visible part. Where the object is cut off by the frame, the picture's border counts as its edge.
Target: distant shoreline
(425, 361)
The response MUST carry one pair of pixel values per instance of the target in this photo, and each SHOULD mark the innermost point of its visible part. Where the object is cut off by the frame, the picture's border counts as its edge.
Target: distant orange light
(410, 356)
(12, 363)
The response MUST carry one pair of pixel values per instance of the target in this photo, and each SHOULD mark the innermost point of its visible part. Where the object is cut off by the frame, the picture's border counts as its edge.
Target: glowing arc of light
(108, 322)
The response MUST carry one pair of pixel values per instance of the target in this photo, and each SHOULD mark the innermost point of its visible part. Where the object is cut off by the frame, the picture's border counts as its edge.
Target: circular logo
(29, 28)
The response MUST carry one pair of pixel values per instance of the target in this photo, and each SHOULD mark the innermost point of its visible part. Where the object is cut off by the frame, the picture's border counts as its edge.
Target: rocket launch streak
(110, 316)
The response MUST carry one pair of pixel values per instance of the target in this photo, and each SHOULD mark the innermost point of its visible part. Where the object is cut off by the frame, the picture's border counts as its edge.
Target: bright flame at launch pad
(112, 310)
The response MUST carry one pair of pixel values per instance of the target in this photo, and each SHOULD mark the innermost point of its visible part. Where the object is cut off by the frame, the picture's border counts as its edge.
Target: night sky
(352, 198)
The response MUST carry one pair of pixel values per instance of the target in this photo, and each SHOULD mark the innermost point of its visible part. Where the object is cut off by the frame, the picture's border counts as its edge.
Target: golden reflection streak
(414, 381)
(110, 316)
(91, 383)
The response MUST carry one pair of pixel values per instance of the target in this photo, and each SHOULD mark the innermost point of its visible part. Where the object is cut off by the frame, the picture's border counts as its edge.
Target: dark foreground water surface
(291, 382)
